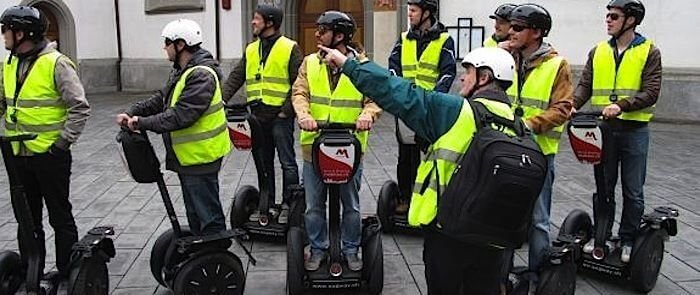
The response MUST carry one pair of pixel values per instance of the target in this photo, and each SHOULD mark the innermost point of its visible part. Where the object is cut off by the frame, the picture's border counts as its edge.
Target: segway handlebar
(336, 126)
(591, 113)
(18, 137)
(242, 106)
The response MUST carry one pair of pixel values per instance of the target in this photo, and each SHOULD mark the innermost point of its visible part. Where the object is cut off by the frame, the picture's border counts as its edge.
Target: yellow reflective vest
(269, 81)
(534, 100)
(207, 139)
(442, 159)
(423, 72)
(36, 106)
(622, 83)
(342, 105)
(490, 43)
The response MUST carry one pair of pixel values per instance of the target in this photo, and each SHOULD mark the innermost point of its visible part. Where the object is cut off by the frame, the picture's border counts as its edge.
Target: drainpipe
(217, 29)
(119, 46)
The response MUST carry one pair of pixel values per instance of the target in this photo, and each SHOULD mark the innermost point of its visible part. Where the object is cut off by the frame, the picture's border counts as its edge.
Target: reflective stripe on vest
(446, 153)
(424, 73)
(535, 97)
(38, 107)
(628, 81)
(269, 81)
(343, 105)
(490, 43)
(207, 139)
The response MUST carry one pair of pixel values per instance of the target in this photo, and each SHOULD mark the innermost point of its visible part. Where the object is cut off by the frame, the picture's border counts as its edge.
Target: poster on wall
(170, 6)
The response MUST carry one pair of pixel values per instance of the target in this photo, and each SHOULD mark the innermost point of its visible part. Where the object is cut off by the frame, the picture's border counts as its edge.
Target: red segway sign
(336, 163)
(240, 135)
(587, 144)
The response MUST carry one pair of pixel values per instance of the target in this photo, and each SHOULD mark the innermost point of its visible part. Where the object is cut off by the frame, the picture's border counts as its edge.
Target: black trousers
(46, 179)
(453, 267)
(406, 169)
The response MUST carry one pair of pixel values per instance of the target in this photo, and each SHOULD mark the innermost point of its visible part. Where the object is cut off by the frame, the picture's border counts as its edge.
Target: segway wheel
(160, 250)
(10, 272)
(558, 279)
(645, 262)
(89, 277)
(295, 261)
(373, 259)
(245, 202)
(577, 223)
(386, 205)
(211, 273)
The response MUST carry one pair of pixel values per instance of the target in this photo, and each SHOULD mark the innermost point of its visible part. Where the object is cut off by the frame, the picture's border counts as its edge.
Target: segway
(336, 156)
(244, 132)
(589, 138)
(89, 256)
(386, 211)
(180, 261)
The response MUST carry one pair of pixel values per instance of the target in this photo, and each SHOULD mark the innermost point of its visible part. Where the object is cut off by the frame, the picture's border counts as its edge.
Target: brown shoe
(402, 207)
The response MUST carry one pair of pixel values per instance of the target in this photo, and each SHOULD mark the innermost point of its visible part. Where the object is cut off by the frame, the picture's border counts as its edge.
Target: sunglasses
(613, 16)
(519, 28)
(322, 29)
(168, 42)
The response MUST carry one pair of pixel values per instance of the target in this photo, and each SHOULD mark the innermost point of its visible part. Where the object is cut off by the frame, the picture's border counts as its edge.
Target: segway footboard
(89, 274)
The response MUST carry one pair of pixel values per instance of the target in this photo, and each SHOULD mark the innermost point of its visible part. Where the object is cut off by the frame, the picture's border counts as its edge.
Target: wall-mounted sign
(170, 6)
(384, 5)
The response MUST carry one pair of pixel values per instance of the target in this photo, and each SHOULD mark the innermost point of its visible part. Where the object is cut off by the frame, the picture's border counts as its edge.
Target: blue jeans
(539, 230)
(629, 148)
(315, 215)
(201, 196)
(281, 132)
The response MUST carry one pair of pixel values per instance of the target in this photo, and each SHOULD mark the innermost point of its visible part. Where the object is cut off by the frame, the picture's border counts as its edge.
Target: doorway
(309, 11)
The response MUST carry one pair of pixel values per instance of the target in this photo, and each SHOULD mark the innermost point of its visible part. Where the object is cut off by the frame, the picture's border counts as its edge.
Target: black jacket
(156, 114)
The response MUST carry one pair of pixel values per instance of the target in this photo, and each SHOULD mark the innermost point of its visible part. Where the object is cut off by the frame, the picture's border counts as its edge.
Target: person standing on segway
(622, 78)
(543, 95)
(501, 25)
(423, 55)
(189, 112)
(322, 94)
(454, 264)
(42, 94)
(268, 68)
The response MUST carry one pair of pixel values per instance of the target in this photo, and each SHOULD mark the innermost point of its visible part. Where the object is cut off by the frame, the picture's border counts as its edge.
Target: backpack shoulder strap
(484, 117)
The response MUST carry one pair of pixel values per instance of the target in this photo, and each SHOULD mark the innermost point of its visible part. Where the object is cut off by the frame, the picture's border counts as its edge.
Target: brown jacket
(301, 99)
(647, 96)
(561, 99)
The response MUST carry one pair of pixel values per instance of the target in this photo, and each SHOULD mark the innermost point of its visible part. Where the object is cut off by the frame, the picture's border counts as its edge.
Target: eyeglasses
(519, 28)
(168, 42)
(321, 29)
(612, 16)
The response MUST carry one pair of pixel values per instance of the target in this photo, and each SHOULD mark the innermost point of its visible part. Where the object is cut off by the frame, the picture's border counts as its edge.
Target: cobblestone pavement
(103, 194)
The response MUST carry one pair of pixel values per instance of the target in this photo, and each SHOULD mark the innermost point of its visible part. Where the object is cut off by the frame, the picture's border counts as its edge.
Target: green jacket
(430, 114)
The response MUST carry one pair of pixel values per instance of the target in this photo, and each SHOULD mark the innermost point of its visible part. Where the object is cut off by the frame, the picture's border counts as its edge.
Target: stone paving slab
(104, 194)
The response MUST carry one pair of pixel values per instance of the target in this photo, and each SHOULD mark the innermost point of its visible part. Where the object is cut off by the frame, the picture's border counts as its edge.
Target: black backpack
(492, 192)
(139, 156)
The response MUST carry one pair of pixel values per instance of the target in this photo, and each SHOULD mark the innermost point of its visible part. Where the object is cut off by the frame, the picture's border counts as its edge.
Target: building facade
(118, 47)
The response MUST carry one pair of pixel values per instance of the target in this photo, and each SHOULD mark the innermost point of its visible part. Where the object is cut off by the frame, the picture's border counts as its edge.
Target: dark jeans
(453, 267)
(406, 169)
(46, 177)
(279, 134)
(201, 196)
(629, 149)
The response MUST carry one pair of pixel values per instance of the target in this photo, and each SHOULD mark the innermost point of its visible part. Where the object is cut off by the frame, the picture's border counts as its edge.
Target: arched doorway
(61, 24)
(308, 13)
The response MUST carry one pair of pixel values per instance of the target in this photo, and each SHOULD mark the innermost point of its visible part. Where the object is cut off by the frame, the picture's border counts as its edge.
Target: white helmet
(185, 29)
(498, 60)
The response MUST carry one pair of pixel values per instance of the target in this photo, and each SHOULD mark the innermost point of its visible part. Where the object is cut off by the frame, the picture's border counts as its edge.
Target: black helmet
(630, 8)
(429, 5)
(271, 14)
(338, 22)
(25, 18)
(503, 11)
(534, 15)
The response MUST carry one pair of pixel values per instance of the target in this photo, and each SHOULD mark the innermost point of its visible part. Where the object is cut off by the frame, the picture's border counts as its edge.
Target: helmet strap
(422, 21)
(625, 28)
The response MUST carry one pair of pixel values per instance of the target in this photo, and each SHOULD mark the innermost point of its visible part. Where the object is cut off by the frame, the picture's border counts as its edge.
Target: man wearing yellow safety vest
(269, 68)
(543, 95)
(40, 93)
(189, 112)
(423, 55)
(452, 266)
(322, 94)
(623, 79)
(501, 25)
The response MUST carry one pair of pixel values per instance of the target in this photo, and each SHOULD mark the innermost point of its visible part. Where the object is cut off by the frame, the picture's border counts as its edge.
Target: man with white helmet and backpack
(189, 113)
